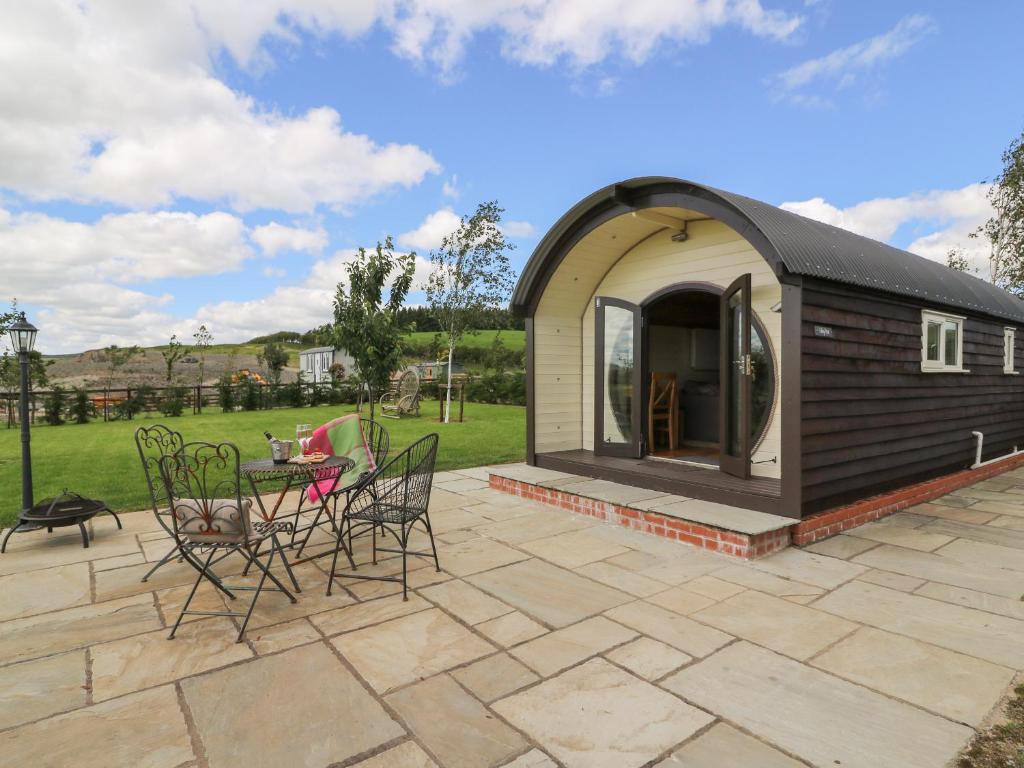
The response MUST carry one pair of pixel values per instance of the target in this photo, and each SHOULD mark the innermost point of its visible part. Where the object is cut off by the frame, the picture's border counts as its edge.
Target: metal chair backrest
(208, 474)
(377, 439)
(153, 443)
(405, 481)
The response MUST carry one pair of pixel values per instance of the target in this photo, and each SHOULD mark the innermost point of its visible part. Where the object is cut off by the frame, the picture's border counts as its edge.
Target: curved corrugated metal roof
(791, 243)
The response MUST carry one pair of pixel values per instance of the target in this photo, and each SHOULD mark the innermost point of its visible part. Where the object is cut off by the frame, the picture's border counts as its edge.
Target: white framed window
(1008, 340)
(942, 342)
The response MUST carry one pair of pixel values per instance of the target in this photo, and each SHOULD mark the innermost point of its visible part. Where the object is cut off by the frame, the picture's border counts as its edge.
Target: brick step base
(709, 537)
(748, 546)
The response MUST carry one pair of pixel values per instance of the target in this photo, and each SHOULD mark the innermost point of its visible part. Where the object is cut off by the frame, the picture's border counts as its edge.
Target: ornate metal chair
(379, 442)
(403, 398)
(209, 516)
(393, 499)
(153, 443)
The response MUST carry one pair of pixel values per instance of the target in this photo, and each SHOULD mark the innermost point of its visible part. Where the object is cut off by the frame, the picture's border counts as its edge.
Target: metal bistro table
(265, 470)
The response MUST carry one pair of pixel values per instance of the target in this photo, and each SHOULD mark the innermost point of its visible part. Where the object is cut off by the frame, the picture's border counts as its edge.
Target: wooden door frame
(633, 449)
(738, 465)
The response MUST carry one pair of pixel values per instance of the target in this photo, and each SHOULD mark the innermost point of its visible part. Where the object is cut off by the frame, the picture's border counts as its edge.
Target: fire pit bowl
(59, 511)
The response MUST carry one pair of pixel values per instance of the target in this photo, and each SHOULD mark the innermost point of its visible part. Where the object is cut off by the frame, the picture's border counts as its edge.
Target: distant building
(316, 363)
(429, 371)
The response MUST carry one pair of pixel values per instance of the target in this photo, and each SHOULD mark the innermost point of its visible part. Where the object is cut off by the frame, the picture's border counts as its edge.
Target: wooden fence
(108, 403)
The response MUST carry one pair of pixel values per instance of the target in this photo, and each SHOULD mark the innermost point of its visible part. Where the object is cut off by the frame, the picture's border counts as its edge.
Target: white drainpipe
(977, 452)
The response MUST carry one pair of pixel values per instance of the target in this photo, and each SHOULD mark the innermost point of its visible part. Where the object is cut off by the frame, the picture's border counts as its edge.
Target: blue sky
(219, 161)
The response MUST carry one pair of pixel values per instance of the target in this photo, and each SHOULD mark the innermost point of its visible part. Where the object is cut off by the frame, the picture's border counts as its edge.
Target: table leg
(85, 534)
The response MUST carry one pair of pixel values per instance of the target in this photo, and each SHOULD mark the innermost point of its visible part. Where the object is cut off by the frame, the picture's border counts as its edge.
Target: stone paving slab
(144, 730)
(402, 651)
(598, 716)
(936, 567)
(957, 686)
(270, 712)
(822, 718)
(790, 629)
(552, 595)
(43, 687)
(982, 635)
(723, 742)
(453, 725)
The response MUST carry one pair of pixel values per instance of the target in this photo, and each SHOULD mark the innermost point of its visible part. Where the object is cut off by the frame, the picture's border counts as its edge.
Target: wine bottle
(270, 437)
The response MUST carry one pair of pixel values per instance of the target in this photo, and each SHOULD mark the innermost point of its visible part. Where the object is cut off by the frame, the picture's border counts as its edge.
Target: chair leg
(374, 543)
(188, 600)
(255, 552)
(271, 576)
(287, 565)
(163, 561)
(430, 533)
(405, 580)
(259, 588)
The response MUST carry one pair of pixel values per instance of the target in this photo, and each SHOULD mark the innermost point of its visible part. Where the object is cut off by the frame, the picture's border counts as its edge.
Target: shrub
(135, 404)
(173, 401)
(250, 395)
(498, 388)
(81, 409)
(226, 393)
(53, 406)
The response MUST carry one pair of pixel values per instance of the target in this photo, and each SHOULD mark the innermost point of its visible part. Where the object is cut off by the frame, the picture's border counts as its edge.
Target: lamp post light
(23, 339)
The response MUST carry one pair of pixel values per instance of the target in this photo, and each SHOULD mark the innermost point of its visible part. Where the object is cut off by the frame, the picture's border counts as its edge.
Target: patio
(548, 639)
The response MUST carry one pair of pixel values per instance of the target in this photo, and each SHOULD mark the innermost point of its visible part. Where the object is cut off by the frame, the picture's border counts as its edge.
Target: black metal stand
(59, 512)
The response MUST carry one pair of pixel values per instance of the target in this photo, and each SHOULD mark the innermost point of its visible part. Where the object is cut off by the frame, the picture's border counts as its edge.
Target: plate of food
(310, 458)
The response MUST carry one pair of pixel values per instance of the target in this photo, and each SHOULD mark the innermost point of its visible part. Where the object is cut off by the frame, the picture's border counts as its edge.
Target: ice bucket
(281, 450)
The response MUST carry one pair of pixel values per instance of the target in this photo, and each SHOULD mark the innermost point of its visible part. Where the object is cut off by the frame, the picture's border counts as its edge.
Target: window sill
(944, 370)
(1011, 373)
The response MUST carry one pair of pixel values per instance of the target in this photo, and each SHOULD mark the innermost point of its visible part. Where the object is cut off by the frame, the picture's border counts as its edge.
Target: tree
(10, 370)
(367, 325)
(470, 275)
(116, 358)
(1005, 229)
(957, 260)
(171, 354)
(274, 357)
(203, 339)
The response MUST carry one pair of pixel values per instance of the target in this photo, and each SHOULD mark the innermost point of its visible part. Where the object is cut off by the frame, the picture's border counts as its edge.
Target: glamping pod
(700, 343)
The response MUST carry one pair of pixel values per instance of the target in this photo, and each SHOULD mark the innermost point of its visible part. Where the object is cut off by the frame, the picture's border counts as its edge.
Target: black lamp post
(23, 339)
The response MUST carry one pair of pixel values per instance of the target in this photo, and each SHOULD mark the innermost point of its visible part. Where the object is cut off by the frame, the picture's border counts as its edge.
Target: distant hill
(88, 369)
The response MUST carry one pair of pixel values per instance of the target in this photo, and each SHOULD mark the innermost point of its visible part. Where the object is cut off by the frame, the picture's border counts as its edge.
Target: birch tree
(365, 322)
(470, 274)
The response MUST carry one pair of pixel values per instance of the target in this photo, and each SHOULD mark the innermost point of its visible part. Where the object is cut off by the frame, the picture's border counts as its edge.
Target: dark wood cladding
(871, 420)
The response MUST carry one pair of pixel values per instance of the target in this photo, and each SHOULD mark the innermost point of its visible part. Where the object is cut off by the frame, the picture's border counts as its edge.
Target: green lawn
(512, 339)
(99, 459)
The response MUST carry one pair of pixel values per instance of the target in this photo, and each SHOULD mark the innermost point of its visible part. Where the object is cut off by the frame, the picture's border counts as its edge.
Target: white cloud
(300, 306)
(40, 253)
(580, 33)
(450, 188)
(118, 102)
(518, 229)
(273, 238)
(950, 215)
(428, 235)
(841, 67)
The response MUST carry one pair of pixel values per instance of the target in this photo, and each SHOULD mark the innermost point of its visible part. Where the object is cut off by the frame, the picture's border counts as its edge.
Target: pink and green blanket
(341, 437)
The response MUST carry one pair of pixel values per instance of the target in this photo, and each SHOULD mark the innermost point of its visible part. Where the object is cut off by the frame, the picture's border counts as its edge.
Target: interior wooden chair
(663, 409)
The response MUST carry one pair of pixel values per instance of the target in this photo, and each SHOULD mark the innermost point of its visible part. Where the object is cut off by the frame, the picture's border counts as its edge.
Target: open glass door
(617, 383)
(734, 381)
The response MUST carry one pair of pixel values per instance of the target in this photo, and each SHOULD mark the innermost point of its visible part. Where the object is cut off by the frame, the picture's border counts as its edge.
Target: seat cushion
(213, 521)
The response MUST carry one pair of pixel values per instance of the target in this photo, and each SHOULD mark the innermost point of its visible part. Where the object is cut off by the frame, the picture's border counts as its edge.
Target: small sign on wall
(824, 331)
